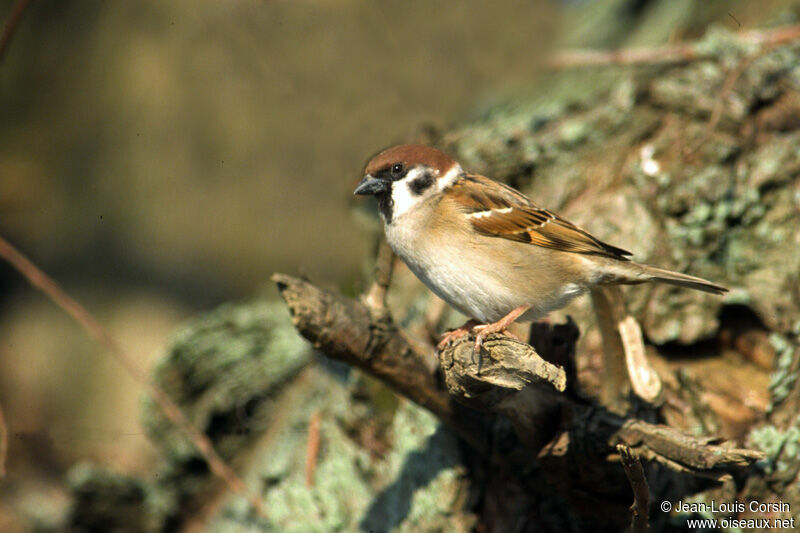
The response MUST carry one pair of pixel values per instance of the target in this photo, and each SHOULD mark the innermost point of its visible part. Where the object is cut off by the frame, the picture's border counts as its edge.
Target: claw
(454, 334)
(500, 326)
(481, 331)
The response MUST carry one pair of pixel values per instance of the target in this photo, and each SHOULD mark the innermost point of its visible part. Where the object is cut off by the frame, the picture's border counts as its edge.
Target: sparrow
(486, 249)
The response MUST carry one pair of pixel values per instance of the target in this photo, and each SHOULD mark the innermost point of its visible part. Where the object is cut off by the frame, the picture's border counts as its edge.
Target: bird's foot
(483, 331)
(454, 334)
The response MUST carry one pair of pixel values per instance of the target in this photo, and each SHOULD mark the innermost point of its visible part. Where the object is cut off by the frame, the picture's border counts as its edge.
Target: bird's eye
(397, 170)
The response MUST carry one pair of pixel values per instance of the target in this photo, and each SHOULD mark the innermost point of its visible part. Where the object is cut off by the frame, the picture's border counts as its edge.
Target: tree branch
(3, 444)
(343, 329)
(663, 55)
(504, 382)
(625, 362)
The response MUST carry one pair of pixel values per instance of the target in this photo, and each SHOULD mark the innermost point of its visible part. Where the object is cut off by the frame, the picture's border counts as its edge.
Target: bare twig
(702, 456)
(775, 36)
(503, 380)
(623, 350)
(3, 444)
(49, 287)
(11, 25)
(640, 510)
(615, 385)
(671, 54)
(682, 53)
(375, 297)
(645, 380)
(312, 449)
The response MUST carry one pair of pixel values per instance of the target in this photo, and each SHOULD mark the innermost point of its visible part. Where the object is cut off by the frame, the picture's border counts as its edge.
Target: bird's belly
(482, 291)
(472, 295)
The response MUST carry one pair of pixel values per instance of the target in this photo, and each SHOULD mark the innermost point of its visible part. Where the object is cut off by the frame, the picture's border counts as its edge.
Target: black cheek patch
(420, 184)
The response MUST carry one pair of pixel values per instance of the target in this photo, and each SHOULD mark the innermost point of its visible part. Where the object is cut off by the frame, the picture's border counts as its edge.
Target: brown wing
(497, 210)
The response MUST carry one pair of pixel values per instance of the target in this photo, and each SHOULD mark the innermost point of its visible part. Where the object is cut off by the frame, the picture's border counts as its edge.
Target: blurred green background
(159, 158)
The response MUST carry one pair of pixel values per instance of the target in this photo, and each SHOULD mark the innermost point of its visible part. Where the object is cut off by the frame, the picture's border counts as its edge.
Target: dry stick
(776, 36)
(623, 350)
(47, 285)
(680, 53)
(375, 296)
(312, 450)
(3, 444)
(11, 25)
(640, 510)
(615, 383)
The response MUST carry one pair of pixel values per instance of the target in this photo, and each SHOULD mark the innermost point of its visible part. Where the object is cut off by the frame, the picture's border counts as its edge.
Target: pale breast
(482, 277)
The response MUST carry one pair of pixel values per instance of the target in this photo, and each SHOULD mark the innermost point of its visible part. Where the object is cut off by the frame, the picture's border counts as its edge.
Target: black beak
(370, 185)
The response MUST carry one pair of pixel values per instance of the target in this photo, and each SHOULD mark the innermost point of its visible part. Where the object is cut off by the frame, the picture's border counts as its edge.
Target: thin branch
(3, 444)
(375, 297)
(674, 54)
(615, 384)
(10, 27)
(775, 36)
(623, 341)
(640, 510)
(663, 55)
(49, 287)
(702, 456)
(312, 449)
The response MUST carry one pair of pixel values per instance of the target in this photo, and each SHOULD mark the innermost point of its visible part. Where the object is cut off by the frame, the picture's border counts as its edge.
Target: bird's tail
(631, 272)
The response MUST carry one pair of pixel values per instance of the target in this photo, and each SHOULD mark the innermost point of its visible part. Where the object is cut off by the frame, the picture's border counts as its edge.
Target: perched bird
(486, 249)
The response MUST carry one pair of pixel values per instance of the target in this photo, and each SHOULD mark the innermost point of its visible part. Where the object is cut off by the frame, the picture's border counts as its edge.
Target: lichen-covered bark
(243, 375)
(696, 168)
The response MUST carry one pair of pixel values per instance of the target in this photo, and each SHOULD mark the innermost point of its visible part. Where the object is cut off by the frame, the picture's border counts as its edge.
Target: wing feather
(497, 210)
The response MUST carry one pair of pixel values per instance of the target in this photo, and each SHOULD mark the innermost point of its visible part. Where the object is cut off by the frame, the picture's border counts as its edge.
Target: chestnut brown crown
(410, 155)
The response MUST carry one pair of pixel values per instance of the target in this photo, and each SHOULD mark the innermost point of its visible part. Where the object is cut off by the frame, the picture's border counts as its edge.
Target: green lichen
(781, 447)
(782, 379)
(423, 481)
(222, 364)
(419, 485)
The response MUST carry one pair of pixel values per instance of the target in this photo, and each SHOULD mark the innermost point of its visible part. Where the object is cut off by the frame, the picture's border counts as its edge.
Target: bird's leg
(457, 333)
(496, 327)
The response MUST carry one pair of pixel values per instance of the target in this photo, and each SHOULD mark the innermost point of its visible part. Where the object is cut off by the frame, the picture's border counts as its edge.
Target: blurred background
(160, 158)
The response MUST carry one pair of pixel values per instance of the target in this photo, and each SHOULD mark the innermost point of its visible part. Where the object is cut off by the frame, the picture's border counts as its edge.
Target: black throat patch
(385, 204)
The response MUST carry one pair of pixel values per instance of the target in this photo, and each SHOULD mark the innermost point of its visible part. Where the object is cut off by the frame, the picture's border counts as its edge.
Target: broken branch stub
(504, 367)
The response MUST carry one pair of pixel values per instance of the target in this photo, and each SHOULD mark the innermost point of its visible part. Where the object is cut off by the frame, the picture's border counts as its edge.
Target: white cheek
(402, 197)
